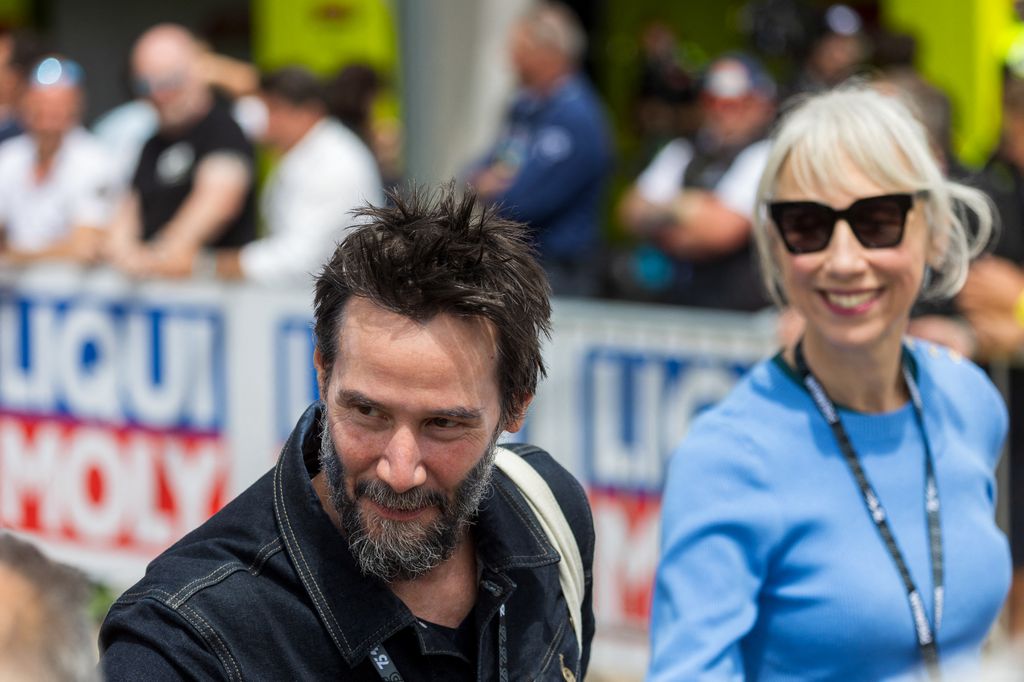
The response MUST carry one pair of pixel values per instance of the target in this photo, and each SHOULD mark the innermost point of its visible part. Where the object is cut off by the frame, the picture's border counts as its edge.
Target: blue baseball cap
(54, 71)
(735, 75)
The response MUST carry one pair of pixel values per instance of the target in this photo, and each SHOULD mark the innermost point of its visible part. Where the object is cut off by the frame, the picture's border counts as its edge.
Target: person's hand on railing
(172, 258)
(993, 302)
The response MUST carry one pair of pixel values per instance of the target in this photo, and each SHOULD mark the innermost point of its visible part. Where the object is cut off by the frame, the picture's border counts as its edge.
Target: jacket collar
(360, 612)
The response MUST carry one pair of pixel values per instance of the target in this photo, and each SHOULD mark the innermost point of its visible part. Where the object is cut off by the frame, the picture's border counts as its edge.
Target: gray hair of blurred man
(46, 634)
(555, 26)
(822, 136)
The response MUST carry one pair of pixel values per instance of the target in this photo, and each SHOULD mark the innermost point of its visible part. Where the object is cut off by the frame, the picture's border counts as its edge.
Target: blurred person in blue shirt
(550, 163)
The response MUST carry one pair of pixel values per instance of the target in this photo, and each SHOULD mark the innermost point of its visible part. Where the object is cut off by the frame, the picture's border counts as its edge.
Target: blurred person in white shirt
(55, 198)
(325, 171)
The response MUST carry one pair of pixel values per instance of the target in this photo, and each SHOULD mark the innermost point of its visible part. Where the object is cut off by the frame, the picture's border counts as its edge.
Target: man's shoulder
(85, 150)
(333, 147)
(578, 100)
(239, 539)
(556, 475)
(218, 130)
(567, 490)
(17, 149)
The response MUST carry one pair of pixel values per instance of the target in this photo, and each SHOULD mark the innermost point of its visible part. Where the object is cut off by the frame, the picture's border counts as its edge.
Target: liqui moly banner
(130, 412)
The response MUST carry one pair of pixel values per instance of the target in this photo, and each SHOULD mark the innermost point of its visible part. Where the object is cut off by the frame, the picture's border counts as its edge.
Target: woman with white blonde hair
(832, 518)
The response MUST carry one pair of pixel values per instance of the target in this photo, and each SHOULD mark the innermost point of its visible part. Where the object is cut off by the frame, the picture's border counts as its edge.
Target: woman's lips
(850, 302)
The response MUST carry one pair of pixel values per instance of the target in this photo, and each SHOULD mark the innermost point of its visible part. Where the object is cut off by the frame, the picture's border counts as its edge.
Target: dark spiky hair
(425, 254)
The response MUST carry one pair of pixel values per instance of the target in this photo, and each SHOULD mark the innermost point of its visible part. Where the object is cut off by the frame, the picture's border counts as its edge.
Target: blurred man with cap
(835, 50)
(55, 200)
(695, 200)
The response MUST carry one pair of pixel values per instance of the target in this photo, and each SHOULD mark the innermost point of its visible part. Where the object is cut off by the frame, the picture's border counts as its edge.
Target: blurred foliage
(103, 596)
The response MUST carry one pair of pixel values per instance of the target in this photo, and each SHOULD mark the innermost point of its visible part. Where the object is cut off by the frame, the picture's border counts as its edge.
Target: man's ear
(321, 374)
(516, 422)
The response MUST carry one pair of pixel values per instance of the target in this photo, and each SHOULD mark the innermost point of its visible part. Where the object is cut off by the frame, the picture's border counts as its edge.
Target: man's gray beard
(402, 550)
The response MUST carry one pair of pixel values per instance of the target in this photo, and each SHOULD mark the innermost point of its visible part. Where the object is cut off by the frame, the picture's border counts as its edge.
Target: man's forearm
(229, 264)
(217, 197)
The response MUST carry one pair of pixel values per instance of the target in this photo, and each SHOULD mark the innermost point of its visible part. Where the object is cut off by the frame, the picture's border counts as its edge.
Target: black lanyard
(385, 666)
(926, 631)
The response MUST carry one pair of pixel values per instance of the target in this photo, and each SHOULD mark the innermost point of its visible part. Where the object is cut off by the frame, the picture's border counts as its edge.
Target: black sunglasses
(807, 226)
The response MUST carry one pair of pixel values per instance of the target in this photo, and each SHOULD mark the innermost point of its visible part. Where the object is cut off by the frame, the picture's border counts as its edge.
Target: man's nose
(401, 463)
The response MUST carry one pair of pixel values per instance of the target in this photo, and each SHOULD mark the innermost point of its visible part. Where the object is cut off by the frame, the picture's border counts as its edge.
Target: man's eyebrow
(348, 398)
(459, 412)
(351, 398)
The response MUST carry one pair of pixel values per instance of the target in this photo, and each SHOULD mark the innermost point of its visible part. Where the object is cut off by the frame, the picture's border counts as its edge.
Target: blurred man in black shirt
(193, 187)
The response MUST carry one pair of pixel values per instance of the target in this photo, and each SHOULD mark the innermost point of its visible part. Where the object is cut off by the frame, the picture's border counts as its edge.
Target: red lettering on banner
(626, 555)
(105, 487)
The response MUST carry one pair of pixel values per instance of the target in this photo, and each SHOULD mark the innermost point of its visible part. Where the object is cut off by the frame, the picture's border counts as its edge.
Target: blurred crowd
(170, 184)
(166, 185)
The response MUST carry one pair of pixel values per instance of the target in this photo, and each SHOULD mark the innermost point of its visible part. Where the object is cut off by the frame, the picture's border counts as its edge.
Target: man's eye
(443, 423)
(367, 411)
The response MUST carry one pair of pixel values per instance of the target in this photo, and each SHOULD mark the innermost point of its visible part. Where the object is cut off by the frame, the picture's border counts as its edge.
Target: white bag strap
(552, 520)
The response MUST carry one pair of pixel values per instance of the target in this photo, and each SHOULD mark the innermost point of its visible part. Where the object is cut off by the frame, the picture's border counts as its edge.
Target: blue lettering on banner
(295, 373)
(636, 407)
(113, 361)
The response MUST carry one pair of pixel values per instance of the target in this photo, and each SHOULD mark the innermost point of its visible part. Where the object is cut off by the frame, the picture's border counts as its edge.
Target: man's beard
(402, 550)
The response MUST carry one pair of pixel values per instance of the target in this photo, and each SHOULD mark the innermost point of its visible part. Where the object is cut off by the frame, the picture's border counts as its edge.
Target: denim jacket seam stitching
(187, 591)
(378, 635)
(555, 641)
(210, 635)
(130, 597)
(591, 535)
(263, 555)
(530, 521)
(157, 594)
(573, 484)
(304, 573)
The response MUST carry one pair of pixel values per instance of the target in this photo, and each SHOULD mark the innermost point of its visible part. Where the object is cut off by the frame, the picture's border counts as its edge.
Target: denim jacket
(267, 589)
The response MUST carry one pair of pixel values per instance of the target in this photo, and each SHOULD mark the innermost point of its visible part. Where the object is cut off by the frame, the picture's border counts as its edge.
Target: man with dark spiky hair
(385, 544)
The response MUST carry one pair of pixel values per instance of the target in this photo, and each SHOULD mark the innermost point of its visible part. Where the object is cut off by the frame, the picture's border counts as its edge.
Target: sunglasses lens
(804, 227)
(878, 222)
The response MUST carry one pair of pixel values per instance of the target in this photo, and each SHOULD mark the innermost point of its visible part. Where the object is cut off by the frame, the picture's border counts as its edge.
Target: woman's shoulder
(759, 407)
(948, 370)
(770, 384)
(957, 392)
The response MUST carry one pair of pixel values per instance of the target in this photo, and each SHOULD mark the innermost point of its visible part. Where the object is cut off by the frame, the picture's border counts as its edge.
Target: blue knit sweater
(771, 568)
